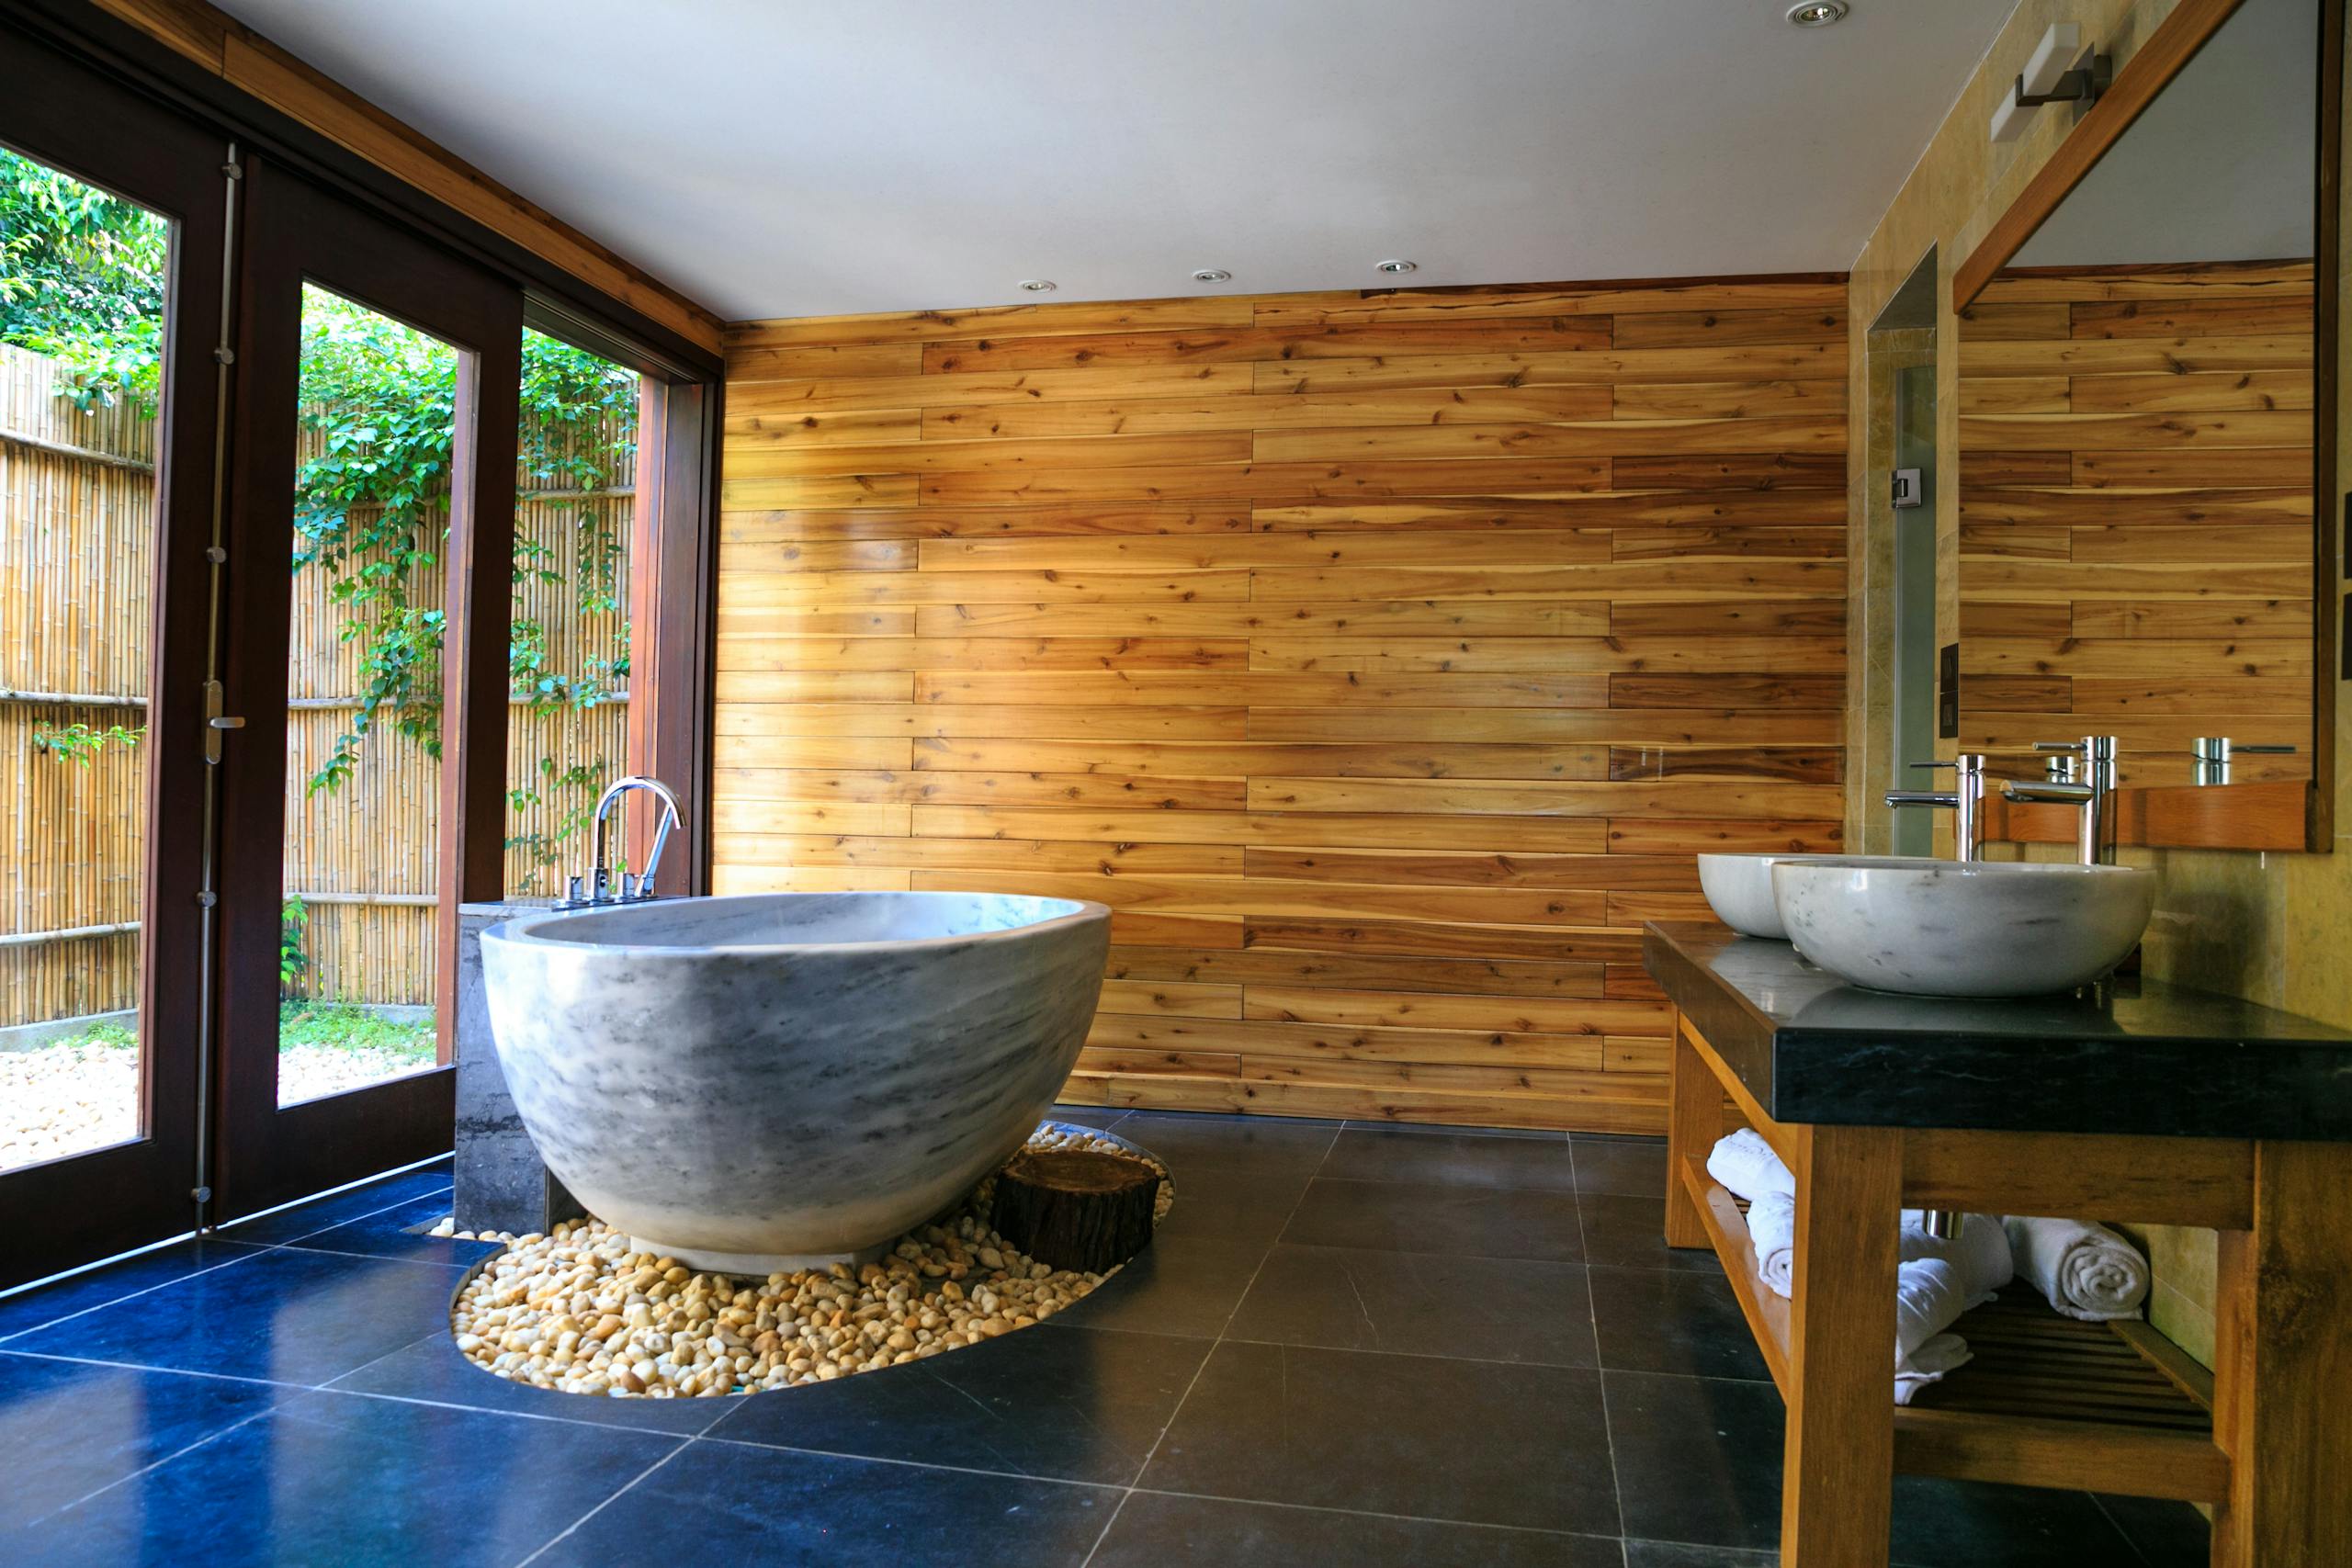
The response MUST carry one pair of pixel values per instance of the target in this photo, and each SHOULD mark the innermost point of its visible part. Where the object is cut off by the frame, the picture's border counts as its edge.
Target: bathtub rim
(524, 930)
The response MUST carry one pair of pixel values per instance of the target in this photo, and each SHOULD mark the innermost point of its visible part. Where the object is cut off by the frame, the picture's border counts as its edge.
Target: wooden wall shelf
(2273, 815)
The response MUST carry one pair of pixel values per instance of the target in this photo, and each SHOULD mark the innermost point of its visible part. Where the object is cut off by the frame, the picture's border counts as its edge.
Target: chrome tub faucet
(595, 888)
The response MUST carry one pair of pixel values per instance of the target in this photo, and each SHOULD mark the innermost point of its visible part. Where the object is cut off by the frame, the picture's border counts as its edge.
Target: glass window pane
(568, 730)
(371, 519)
(82, 288)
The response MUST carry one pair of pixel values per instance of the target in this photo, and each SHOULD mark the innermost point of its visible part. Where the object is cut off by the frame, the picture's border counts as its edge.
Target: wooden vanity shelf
(2148, 1103)
(2044, 1401)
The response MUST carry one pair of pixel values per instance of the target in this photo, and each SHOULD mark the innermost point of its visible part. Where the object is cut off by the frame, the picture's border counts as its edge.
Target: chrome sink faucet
(1964, 800)
(595, 888)
(2082, 775)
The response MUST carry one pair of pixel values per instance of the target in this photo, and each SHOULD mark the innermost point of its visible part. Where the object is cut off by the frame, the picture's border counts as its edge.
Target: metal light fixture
(2062, 71)
(1212, 274)
(1817, 13)
(1037, 285)
(1397, 266)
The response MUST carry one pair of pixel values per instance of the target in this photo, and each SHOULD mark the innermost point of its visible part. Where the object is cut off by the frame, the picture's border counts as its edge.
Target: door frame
(63, 1211)
(293, 232)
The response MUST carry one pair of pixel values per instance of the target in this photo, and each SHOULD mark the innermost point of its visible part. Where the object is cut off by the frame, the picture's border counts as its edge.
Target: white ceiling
(803, 157)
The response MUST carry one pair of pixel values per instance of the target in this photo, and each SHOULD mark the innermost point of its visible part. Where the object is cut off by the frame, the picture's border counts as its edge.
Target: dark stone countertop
(2132, 1056)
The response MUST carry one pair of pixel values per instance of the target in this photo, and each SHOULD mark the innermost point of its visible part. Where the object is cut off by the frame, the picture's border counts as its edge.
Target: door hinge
(216, 723)
(1907, 489)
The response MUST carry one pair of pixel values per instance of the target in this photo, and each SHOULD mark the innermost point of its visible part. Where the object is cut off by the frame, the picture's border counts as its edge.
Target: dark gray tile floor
(1349, 1345)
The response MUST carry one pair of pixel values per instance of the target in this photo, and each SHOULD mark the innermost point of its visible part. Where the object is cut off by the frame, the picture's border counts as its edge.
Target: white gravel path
(71, 1097)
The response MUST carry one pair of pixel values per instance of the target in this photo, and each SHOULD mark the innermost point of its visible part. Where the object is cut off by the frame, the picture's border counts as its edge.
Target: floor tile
(1203, 1143)
(2168, 1535)
(766, 1506)
(330, 1478)
(1699, 1460)
(1496, 1309)
(391, 1233)
(1634, 1170)
(1464, 1159)
(1098, 1117)
(1436, 1129)
(1232, 1205)
(69, 1429)
(1155, 1530)
(1475, 1222)
(289, 1316)
(1072, 1405)
(27, 1310)
(1181, 1283)
(433, 1368)
(323, 1213)
(1443, 1439)
(1680, 1554)
(1965, 1524)
(1629, 1233)
(1658, 1320)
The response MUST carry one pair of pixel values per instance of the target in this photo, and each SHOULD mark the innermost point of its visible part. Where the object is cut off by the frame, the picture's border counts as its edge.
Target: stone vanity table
(2152, 1104)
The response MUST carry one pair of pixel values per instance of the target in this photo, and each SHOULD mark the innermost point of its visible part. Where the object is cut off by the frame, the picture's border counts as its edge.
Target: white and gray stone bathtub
(748, 1084)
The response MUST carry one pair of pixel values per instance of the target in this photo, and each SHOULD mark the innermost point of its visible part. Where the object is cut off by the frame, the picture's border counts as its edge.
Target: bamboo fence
(77, 559)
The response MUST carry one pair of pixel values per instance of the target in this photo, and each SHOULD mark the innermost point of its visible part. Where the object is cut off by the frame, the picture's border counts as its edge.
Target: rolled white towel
(1929, 1296)
(1927, 1364)
(1772, 1232)
(2086, 1271)
(1746, 1163)
(1981, 1250)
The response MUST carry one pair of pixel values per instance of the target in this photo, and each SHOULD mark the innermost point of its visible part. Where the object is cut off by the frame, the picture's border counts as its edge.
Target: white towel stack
(2086, 1271)
(1936, 1280)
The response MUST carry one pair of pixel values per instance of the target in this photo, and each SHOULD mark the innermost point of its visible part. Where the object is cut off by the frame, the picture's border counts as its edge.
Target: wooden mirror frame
(2293, 814)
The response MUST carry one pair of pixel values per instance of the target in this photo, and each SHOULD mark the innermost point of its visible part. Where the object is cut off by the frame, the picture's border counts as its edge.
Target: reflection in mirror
(2136, 439)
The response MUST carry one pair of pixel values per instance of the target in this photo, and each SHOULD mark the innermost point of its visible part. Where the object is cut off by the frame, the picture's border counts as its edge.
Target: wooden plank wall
(2135, 530)
(1381, 659)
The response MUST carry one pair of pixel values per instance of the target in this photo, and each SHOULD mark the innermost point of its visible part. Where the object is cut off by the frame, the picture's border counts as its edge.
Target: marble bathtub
(749, 1084)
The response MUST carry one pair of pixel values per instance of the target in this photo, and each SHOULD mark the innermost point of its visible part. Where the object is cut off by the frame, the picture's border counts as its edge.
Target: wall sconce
(2061, 71)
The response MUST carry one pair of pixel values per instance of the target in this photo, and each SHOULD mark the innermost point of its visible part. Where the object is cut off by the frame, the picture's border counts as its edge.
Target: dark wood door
(273, 1144)
(139, 1186)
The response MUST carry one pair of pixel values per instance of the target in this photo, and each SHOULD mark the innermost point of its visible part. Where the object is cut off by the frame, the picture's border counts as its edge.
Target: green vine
(79, 743)
(82, 281)
(82, 277)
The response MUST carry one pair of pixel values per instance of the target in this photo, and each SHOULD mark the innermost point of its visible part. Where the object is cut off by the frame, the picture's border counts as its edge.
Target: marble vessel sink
(750, 1084)
(1739, 890)
(1943, 928)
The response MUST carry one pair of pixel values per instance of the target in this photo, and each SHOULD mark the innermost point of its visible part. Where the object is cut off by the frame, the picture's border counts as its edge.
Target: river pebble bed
(577, 1311)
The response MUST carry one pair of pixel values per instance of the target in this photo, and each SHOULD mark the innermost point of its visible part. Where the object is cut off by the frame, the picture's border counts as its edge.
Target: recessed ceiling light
(1396, 266)
(1817, 13)
(1038, 284)
(1212, 274)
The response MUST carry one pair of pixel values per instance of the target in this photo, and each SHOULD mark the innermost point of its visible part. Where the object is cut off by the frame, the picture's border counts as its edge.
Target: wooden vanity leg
(1837, 1478)
(2282, 1350)
(1694, 1121)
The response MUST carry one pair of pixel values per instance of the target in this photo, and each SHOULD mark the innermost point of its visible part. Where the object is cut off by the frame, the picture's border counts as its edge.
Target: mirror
(2136, 456)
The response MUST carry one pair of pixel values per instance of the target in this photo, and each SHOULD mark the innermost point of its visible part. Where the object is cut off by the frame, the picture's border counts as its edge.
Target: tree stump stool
(1077, 1209)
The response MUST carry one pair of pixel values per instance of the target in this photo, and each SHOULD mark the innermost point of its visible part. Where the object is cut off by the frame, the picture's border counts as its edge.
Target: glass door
(365, 672)
(112, 229)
